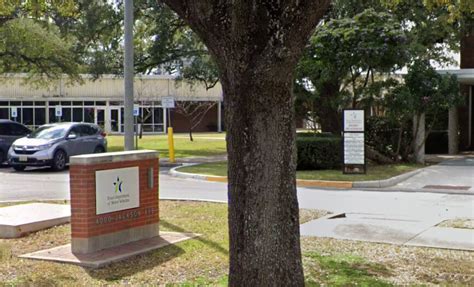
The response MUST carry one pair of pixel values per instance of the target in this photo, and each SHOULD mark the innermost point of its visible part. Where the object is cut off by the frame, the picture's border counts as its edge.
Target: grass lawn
(204, 144)
(204, 261)
(374, 172)
(466, 223)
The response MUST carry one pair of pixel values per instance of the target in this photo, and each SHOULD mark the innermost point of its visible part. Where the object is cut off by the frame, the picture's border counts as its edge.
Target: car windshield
(49, 132)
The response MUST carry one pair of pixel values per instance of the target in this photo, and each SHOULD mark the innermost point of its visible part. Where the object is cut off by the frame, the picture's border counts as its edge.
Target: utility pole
(128, 75)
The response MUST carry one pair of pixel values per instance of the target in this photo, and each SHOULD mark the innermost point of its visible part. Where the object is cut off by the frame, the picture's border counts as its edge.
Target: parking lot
(33, 184)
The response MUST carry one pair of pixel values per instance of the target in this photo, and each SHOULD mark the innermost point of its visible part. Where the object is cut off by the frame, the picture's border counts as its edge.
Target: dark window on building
(40, 104)
(28, 116)
(40, 116)
(65, 103)
(89, 115)
(28, 103)
(53, 104)
(66, 115)
(4, 113)
(3, 103)
(100, 103)
(52, 116)
(88, 103)
(77, 115)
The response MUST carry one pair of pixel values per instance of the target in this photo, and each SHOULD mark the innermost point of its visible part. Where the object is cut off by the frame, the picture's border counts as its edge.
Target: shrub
(319, 135)
(382, 135)
(318, 152)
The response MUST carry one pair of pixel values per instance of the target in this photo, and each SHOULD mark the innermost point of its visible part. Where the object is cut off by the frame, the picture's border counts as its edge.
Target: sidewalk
(454, 175)
(164, 162)
(393, 230)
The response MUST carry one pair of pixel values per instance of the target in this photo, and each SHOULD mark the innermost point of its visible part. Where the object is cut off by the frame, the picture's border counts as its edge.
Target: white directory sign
(167, 102)
(117, 189)
(58, 111)
(136, 110)
(353, 120)
(14, 112)
(354, 148)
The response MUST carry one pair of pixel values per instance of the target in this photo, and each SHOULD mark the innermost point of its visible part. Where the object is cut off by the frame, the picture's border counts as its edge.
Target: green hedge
(312, 135)
(318, 152)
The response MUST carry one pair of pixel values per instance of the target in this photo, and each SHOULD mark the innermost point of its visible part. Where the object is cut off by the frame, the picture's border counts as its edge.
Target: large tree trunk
(263, 206)
(256, 45)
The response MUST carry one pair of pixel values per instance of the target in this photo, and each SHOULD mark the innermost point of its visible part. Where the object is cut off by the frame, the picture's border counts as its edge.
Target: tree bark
(453, 131)
(263, 206)
(419, 137)
(256, 45)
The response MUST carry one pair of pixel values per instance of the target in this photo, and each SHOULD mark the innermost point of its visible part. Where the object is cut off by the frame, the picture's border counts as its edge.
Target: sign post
(168, 103)
(14, 113)
(58, 112)
(354, 142)
(136, 114)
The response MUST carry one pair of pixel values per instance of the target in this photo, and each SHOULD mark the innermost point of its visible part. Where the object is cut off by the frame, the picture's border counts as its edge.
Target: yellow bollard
(171, 144)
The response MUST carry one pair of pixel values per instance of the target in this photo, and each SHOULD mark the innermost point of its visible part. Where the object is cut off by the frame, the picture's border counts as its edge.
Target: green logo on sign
(118, 185)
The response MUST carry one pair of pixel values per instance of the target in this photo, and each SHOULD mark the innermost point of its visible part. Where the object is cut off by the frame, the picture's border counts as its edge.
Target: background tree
(194, 112)
(341, 64)
(30, 44)
(256, 46)
(424, 91)
(431, 30)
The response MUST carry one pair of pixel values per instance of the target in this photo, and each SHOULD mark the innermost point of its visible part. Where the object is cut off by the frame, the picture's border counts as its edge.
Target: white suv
(53, 144)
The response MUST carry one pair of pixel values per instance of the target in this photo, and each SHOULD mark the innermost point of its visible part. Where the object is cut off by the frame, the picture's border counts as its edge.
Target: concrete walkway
(452, 175)
(397, 230)
(164, 162)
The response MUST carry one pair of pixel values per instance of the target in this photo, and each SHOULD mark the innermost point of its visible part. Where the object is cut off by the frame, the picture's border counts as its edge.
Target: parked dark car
(9, 132)
(53, 144)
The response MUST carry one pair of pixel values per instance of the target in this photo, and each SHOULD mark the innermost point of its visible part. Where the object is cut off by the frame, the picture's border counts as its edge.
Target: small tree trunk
(191, 134)
(419, 138)
(453, 131)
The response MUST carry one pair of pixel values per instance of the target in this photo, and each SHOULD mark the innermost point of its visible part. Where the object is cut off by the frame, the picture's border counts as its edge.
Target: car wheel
(99, 149)
(2, 157)
(19, 167)
(59, 160)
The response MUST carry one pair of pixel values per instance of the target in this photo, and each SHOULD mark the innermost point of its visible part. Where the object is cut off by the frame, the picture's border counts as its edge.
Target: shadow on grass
(205, 241)
(344, 270)
(136, 264)
(117, 271)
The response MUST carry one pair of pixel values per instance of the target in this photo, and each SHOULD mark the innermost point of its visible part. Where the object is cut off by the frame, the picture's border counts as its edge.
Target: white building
(98, 101)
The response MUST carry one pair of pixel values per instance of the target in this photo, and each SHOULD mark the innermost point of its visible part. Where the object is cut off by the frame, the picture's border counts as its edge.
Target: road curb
(299, 182)
(386, 182)
(309, 183)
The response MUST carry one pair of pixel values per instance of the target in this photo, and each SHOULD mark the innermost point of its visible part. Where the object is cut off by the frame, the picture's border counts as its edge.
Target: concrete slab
(367, 227)
(450, 173)
(443, 237)
(104, 257)
(18, 220)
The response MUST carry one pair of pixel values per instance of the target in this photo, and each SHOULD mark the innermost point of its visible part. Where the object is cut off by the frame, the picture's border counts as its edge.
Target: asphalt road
(44, 184)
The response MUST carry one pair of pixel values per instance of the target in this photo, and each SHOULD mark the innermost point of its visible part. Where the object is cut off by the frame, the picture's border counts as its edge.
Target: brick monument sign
(114, 199)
